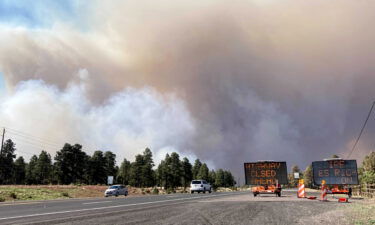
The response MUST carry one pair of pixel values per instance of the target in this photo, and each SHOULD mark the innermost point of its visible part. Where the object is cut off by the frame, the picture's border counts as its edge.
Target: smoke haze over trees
(72, 165)
(223, 81)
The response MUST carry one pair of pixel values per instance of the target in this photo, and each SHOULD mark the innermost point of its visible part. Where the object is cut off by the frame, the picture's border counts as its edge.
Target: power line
(36, 145)
(28, 153)
(32, 143)
(30, 135)
(33, 140)
(363, 128)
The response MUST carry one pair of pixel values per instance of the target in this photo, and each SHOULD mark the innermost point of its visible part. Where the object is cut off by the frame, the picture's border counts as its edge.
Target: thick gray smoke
(226, 81)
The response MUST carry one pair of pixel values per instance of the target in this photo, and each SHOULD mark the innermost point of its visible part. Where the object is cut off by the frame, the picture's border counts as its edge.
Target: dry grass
(45, 192)
(362, 213)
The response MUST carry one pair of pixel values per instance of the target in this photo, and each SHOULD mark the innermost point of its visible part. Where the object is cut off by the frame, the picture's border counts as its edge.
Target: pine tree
(219, 179)
(110, 163)
(123, 175)
(167, 172)
(187, 173)
(147, 172)
(97, 173)
(175, 170)
(196, 168)
(203, 172)
(6, 162)
(164, 172)
(19, 171)
(71, 164)
(367, 171)
(211, 177)
(160, 174)
(229, 180)
(43, 168)
(308, 176)
(136, 171)
(31, 170)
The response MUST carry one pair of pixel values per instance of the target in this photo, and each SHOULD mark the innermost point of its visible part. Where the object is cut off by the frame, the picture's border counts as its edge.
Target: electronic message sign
(266, 173)
(335, 172)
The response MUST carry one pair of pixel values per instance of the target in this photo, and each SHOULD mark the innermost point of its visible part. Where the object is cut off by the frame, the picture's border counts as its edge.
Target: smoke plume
(226, 81)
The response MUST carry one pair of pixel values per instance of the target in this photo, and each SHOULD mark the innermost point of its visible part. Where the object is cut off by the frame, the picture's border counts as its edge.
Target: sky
(226, 81)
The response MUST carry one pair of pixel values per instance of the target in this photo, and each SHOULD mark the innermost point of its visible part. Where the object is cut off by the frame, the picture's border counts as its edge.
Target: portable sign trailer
(336, 172)
(267, 176)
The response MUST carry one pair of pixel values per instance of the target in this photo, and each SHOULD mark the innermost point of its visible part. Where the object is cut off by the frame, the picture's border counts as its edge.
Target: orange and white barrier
(323, 196)
(301, 189)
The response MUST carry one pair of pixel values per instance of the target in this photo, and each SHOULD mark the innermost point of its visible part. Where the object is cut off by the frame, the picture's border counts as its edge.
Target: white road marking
(171, 196)
(20, 203)
(88, 203)
(109, 207)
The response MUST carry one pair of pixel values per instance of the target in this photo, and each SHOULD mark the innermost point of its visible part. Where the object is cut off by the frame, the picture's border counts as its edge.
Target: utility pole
(2, 142)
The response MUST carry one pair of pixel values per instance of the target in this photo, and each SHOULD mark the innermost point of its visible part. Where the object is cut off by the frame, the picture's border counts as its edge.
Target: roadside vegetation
(362, 213)
(72, 171)
(50, 192)
(47, 192)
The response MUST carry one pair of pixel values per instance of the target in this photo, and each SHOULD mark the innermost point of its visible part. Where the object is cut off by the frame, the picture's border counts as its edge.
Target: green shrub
(2, 199)
(233, 188)
(170, 190)
(13, 195)
(65, 194)
(155, 191)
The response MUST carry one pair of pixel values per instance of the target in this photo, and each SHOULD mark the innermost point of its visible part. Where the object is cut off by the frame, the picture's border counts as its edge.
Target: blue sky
(40, 13)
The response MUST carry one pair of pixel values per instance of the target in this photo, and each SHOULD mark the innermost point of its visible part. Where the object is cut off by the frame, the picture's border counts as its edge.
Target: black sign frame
(265, 173)
(335, 172)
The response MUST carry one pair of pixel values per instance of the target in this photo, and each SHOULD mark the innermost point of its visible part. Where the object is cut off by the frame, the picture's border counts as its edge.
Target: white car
(116, 190)
(200, 186)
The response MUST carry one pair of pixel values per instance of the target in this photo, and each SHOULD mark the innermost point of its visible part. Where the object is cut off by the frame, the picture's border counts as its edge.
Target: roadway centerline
(20, 203)
(115, 206)
(88, 203)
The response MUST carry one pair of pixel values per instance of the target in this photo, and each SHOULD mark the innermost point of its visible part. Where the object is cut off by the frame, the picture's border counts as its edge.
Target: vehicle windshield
(113, 187)
(196, 182)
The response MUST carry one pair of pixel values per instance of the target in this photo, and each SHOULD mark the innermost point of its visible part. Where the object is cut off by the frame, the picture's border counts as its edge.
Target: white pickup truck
(200, 186)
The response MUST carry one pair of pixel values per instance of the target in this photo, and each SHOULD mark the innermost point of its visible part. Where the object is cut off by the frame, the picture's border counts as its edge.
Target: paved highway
(215, 208)
(60, 210)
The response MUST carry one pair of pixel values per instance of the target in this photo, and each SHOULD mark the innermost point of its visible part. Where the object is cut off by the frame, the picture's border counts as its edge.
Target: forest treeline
(71, 165)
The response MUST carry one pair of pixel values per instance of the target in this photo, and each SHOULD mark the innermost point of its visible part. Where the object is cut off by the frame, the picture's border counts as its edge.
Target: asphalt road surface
(214, 208)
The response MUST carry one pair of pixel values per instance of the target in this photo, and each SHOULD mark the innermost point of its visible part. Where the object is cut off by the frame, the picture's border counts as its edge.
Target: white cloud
(127, 123)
